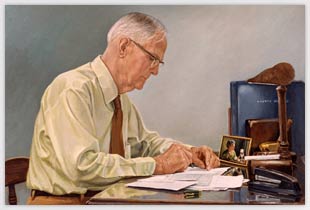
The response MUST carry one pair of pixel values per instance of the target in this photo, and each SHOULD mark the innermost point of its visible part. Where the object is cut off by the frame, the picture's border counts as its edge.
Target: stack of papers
(164, 184)
(216, 183)
(192, 178)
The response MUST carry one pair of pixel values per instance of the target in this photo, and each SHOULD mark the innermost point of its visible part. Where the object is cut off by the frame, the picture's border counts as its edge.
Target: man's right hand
(176, 159)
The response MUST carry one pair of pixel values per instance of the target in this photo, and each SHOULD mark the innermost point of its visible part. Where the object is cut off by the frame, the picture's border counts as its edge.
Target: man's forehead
(157, 45)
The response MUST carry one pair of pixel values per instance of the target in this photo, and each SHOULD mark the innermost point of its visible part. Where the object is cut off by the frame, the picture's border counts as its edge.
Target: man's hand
(175, 159)
(204, 157)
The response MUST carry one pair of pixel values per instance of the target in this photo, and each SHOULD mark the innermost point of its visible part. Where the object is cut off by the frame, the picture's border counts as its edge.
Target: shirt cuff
(188, 145)
(145, 166)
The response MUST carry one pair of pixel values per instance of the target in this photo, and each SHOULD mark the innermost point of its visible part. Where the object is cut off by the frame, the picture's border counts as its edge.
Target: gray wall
(208, 46)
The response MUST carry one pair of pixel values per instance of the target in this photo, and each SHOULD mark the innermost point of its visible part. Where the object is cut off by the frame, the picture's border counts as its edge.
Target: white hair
(137, 26)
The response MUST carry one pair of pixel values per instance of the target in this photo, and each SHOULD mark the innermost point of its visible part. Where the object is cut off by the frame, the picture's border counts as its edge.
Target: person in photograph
(230, 153)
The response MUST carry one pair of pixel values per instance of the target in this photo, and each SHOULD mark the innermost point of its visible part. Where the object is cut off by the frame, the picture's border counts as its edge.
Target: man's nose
(154, 70)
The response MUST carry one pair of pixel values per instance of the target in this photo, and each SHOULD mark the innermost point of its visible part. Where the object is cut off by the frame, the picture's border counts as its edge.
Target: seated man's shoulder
(82, 73)
(75, 78)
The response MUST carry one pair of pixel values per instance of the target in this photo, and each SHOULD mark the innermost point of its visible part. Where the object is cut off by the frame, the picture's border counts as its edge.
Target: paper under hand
(194, 178)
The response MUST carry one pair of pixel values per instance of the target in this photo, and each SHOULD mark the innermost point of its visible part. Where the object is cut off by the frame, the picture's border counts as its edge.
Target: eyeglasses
(155, 61)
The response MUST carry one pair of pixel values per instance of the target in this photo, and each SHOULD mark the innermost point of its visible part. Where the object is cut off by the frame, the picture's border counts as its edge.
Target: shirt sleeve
(143, 141)
(72, 131)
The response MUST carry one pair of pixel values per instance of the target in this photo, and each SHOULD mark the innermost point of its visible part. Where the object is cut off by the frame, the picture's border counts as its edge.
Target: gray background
(208, 46)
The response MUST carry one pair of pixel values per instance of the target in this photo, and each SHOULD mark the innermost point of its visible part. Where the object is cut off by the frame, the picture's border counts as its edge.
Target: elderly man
(88, 134)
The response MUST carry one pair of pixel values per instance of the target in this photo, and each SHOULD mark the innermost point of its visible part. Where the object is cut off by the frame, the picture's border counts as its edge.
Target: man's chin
(139, 86)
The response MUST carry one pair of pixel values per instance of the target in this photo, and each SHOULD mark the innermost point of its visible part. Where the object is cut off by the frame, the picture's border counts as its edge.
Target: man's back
(71, 141)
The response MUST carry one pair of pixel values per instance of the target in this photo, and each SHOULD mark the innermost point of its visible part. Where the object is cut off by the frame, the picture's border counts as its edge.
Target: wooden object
(285, 166)
(264, 131)
(284, 146)
(15, 172)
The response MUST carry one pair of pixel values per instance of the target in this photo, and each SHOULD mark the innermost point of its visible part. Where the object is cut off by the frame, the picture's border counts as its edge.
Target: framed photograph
(233, 149)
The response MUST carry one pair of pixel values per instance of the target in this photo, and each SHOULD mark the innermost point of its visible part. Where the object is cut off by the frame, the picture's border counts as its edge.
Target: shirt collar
(106, 81)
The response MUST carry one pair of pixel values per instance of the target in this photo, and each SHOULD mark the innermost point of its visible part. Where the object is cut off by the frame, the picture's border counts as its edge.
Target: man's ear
(123, 47)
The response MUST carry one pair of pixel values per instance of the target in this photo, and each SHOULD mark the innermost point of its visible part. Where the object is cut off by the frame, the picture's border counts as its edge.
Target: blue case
(260, 101)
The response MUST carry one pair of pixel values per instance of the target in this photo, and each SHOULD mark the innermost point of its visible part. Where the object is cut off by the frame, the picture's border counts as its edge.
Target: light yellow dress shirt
(71, 140)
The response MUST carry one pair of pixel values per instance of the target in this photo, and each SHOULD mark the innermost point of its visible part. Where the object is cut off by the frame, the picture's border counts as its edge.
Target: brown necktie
(116, 144)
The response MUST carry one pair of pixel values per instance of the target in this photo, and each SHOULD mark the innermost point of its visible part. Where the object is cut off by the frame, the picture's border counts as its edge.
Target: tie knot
(117, 102)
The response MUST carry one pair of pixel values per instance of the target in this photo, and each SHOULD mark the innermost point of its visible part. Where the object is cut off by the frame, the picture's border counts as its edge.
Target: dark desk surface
(120, 194)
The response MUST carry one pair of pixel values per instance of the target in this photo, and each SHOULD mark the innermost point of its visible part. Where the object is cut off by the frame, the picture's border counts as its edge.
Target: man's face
(139, 62)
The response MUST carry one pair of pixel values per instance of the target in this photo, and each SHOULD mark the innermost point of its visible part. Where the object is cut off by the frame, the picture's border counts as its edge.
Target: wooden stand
(285, 163)
(283, 141)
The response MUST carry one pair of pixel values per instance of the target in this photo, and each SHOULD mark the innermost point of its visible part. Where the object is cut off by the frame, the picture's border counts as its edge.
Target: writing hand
(204, 157)
(175, 159)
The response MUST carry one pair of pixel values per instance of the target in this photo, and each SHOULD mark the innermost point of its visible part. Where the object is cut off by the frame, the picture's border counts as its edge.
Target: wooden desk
(120, 194)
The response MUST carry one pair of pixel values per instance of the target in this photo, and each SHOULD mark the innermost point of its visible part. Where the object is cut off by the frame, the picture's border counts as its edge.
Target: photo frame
(233, 149)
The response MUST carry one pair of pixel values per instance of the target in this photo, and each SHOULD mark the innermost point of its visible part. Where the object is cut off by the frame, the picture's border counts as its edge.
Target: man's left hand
(204, 157)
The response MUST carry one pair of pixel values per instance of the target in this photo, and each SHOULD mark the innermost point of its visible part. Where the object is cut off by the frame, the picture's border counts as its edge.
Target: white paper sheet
(226, 181)
(192, 178)
(262, 157)
(184, 177)
(212, 180)
(170, 185)
(197, 170)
